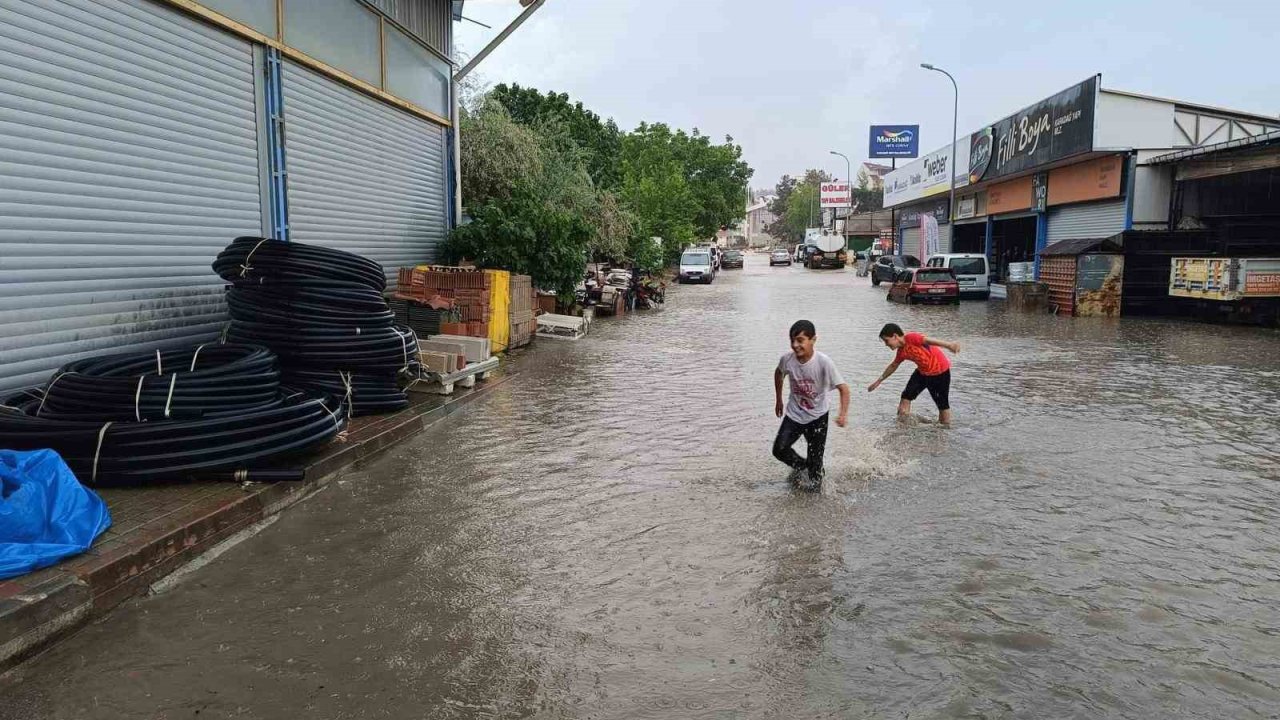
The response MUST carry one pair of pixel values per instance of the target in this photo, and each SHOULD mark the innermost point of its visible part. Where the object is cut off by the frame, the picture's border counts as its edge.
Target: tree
(864, 180)
(797, 205)
(566, 123)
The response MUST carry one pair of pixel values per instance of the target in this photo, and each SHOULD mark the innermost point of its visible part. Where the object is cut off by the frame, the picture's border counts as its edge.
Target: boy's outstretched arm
(777, 392)
(843, 418)
(893, 367)
(954, 347)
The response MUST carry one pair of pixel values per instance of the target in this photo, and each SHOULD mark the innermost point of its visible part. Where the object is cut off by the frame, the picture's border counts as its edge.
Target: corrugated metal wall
(128, 159)
(430, 20)
(1091, 221)
(363, 176)
(911, 241)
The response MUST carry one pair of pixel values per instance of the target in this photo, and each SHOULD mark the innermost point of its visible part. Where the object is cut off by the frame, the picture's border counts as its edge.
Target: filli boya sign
(894, 141)
(1052, 129)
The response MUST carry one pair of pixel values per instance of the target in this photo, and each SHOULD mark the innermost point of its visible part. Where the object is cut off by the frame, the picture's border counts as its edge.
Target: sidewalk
(156, 530)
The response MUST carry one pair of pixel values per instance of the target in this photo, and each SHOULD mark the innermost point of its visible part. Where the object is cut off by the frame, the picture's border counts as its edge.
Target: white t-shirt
(810, 384)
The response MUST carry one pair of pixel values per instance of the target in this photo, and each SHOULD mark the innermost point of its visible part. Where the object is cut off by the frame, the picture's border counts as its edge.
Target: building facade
(138, 137)
(1075, 165)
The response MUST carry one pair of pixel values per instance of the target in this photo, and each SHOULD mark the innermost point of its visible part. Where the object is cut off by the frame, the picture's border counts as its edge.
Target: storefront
(912, 238)
(140, 136)
(969, 228)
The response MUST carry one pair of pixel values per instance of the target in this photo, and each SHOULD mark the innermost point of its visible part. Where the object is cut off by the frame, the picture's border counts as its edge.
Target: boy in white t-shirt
(813, 376)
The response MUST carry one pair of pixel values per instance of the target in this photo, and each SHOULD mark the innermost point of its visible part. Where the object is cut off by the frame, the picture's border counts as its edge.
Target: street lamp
(955, 113)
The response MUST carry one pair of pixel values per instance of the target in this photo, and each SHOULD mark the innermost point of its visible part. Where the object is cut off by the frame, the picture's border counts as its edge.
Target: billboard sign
(1050, 130)
(836, 194)
(926, 176)
(894, 141)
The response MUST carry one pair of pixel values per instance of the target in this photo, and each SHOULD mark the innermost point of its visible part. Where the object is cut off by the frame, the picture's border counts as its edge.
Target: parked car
(780, 256)
(970, 269)
(732, 259)
(696, 266)
(925, 285)
(887, 267)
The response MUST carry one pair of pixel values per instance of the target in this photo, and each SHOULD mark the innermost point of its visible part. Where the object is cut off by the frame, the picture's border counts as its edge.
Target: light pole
(955, 114)
(848, 170)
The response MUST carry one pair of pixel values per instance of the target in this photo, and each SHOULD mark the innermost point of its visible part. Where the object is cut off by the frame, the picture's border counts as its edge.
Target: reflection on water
(608, 536)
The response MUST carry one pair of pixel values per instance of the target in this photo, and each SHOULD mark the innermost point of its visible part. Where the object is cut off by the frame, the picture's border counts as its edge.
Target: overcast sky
(792, 79)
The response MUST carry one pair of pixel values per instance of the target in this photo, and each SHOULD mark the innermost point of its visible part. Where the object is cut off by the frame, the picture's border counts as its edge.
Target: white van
(696, 265)
(970, 269)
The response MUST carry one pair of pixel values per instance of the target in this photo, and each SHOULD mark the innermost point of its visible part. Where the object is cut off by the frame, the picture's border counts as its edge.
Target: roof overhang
(1259, 140)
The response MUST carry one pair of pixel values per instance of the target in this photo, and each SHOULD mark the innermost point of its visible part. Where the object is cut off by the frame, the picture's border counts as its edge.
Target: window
(932, 276)
(695, 259)
(416, 74)
(340, 33)
(257, 14)
(969, 266)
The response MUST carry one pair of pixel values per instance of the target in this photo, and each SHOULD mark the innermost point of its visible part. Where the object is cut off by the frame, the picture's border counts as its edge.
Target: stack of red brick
(523, 326)
(470, 290)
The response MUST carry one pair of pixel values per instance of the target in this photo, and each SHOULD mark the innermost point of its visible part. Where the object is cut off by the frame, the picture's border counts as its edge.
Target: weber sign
(894, 141)
(836, 194)
(927, 176)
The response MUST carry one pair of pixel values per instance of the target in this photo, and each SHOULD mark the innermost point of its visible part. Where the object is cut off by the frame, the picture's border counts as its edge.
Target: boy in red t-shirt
(933, 369)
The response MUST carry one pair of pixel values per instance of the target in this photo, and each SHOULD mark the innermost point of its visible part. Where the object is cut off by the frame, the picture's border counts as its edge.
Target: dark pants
(939, 387)
(815, 436)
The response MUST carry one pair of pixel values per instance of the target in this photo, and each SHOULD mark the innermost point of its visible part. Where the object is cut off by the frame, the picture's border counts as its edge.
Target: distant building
(875, 174)
(758, 218)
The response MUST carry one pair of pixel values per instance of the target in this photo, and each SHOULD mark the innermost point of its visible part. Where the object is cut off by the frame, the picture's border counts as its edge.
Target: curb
(38, 609)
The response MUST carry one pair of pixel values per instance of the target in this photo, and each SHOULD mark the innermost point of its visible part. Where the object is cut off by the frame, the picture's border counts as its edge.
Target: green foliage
(569, 125)
(548, 185)
(797, 205)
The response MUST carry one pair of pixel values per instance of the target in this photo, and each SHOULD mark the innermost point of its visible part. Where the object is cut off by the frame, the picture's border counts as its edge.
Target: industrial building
(138, 137)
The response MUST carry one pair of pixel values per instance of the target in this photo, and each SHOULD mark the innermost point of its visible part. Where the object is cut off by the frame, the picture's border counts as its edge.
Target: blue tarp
(45, 513)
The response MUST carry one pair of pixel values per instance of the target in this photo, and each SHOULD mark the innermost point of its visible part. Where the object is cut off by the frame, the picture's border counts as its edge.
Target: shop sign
(927, 176)
(967, 207)
(894, 141)
(929, 240)
(910, 217)
(836, 194)
(1092, 180)
(1009, 196)
(1050, 130)
(1039, 191)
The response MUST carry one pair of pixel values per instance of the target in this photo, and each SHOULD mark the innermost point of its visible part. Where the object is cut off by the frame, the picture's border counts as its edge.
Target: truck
(826, 249)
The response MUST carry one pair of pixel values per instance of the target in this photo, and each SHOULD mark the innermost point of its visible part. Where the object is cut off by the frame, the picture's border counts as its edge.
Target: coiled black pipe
(262, 261)
(335, 305)
(386, 349)
(204, 381)
(129, 453)
(370, 393)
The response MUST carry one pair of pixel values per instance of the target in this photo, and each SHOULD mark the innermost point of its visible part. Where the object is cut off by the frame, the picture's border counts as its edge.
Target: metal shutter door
(911, 241)
(364, 176)
(128, 159)
(944, 239)
(1076, 222)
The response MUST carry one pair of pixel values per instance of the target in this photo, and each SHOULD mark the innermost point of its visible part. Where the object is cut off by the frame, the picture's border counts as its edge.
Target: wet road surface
(607, 536)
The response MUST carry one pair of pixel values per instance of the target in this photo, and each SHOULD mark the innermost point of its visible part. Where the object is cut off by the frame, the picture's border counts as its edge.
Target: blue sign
(894, 141)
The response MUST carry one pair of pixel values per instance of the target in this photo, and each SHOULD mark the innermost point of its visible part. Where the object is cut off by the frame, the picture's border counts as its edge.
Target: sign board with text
(1050, 130)
(836, 194)
(926, 176)
(894, 141)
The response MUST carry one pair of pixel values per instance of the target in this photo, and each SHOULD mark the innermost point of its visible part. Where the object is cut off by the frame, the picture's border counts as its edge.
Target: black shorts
(939, 387)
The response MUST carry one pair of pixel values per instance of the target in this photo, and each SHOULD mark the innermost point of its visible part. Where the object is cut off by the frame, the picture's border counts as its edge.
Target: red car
(925, 285)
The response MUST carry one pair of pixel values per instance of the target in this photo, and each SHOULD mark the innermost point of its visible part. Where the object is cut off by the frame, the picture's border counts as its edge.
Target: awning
(1237, 144)
(1081, 246)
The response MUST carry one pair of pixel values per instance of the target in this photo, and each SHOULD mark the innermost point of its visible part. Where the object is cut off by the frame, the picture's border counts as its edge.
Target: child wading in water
(813, 375)
(933, 369)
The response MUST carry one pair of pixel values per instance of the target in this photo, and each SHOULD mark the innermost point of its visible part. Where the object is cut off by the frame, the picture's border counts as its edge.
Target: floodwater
(607, 536)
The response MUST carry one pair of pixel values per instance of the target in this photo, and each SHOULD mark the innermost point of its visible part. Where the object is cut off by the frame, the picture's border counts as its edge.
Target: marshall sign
(1052, 129)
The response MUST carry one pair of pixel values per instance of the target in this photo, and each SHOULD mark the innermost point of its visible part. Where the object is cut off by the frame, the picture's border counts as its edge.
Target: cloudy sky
(792, 79)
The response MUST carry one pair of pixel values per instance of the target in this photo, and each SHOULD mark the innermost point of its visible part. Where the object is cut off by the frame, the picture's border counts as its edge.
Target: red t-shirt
(931, 360)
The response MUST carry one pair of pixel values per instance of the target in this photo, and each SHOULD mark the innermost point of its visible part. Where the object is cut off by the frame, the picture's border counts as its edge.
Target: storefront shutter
(1095, 220)
(911, 242)
(128, 159)
(364, 176)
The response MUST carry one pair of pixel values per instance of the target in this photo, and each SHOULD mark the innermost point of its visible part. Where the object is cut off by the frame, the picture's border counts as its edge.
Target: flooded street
(607, 536)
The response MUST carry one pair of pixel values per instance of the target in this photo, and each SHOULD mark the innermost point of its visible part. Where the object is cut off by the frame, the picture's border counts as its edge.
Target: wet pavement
(607, 536)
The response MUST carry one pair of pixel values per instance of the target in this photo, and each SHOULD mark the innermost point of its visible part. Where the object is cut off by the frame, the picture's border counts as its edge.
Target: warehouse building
(1082, 164)
(138, 137)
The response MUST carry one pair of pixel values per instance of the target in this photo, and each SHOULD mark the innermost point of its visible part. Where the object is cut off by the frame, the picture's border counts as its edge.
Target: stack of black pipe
(216, 411)
(323, 312)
